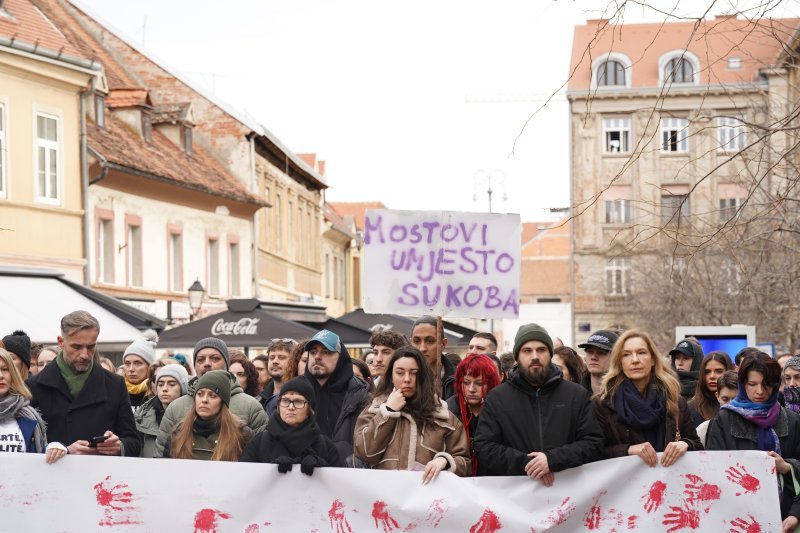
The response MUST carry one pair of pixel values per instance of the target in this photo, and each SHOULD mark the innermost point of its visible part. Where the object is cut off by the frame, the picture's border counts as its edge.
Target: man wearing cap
(536, 423)
(18, 344)
(79, 400)
(686, 358)
(211, 353)
(596, 350)
(340, 395)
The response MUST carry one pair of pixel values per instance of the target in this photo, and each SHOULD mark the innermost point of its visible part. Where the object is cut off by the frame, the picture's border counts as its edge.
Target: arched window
(610, 73)
(678, 70)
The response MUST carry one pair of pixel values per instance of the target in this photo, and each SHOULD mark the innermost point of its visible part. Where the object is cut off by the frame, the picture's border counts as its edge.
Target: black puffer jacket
(339, 402)
(517, 419)
(267, 448)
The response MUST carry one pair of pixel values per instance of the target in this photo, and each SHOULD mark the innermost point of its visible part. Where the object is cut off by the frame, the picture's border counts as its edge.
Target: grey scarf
(16, 406)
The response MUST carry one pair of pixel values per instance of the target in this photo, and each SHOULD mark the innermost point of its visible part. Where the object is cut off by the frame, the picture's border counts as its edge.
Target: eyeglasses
(290, 341)
(296, 404)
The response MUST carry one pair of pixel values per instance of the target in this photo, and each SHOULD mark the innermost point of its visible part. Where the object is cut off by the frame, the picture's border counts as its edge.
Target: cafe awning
(457, 336)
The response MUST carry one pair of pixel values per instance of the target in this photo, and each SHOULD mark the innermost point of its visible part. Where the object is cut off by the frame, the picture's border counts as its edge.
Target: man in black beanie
(536, 423)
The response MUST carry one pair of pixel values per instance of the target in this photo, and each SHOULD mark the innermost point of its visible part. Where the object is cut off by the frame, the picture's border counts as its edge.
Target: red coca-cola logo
(243, 326)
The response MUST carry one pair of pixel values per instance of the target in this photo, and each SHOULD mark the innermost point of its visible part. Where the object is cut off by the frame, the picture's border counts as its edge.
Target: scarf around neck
(75, 381)
(763, 415)
(792, 397)
(206, 428)
(646, 414)
(16, 406)
(299, 440)
(135, 390)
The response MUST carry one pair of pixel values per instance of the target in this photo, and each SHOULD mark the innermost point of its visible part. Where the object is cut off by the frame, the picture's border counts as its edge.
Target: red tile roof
(357, 210)
(756, 42)
(120, 145)
(27, 24)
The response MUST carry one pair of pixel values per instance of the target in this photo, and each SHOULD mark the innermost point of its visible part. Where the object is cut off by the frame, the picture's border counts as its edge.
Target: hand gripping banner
(708, 491)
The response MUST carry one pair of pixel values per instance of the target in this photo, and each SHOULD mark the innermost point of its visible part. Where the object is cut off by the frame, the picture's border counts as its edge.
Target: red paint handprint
(487, 523)
(594, 516)
(382, 517)
(436, 512)
(339, 523)
(116, 502)
(739, 475)
(682, 518)
(560, 514)
(654, 497)
(205, 520)
(698, 490)
(742, 525)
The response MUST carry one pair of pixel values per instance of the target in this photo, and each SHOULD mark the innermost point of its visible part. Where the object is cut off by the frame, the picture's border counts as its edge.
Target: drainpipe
(256, 235)
(84, 156)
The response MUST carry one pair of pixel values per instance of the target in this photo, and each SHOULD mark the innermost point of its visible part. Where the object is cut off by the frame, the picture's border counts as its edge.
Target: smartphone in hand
(94, 441)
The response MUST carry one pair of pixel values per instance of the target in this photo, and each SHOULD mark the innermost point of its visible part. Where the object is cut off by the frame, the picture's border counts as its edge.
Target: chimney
(725, 17)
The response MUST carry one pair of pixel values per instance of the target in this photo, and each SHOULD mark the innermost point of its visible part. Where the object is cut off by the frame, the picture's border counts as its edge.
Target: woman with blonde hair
(21, 426)
(640, 407)
(209, 431)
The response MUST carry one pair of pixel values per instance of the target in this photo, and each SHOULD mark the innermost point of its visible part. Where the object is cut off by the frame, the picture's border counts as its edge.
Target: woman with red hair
(476, 375)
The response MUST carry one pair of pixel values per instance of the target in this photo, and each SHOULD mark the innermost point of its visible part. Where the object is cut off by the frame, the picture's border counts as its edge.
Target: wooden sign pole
(438, 367)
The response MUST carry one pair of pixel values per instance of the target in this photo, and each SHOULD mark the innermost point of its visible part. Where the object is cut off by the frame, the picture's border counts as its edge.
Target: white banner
(442, 263)
(711, 491)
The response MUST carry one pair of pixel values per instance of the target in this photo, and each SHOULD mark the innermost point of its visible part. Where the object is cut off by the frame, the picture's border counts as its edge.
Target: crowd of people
(408, 404)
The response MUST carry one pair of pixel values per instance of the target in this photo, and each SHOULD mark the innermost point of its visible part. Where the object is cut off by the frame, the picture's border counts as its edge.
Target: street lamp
(483, 178)
(196, 293)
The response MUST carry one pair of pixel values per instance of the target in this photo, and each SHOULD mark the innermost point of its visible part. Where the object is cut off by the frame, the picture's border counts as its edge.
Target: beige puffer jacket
(391, 440)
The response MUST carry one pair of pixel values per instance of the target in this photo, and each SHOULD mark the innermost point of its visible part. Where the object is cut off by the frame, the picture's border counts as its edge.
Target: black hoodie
(339, 402)
(518, 418)
(688, 378)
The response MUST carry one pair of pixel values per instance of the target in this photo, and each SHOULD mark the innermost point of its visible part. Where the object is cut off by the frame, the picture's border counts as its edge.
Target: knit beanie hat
(793, 363)
(143, 348)
(20, 345)
(302, 386)
(178, 373)
(532, 332)
(217, 344)
(218, 382)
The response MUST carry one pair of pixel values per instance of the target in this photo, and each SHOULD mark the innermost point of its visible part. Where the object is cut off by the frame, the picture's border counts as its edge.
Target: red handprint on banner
(205, 520)
(654, 497)
(698, 490)
(338, 521)
(743, 525)
(682, 518)
(383, 518)
(488, 523)
(739, 475)
(116, 502)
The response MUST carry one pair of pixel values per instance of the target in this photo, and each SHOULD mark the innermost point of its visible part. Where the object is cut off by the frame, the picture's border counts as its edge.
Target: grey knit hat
(218, 382)
(532, 332)
(178, 373)
(793, 362)
(143, 348)
(217, 344)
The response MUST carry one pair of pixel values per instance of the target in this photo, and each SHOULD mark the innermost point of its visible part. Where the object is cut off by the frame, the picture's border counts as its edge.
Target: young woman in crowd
(137, 360)
(18, 346)
(292, 435)
(640, 407)
(21, 426)
(261, 364)
(476, 375)
(407, 426)
(300, 355)
(790, 379)
(754, 420)
(244, 371)
(210, 430)
(171, 382)
(46, 356)
(704, 405)
(570, 363)
(361, 371)
(727, 389)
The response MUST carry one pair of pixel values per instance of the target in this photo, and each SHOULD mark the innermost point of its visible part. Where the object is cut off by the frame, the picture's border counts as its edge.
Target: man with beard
(536, 423)
(280, 367)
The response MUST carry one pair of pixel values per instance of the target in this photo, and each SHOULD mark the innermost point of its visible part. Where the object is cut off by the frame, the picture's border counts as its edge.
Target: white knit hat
(177, 372)
(143, 348)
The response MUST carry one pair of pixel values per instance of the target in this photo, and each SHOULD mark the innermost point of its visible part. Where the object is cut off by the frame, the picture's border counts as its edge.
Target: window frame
(678, 203)
(214, 287)
(735, 128)
(48, 146)
(175, 271)
(685, 55)
(621, 125)
(234, 266)
(618, 271)
(681, 142)
(603, 59)
(104, 251)
(622, 206)
(131, 244)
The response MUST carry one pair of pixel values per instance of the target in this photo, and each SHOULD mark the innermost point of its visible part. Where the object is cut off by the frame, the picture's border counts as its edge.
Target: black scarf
(299, 440)
(646, 414)
(206, 428)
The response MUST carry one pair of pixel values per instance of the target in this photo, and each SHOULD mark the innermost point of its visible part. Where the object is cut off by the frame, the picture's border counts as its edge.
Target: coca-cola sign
(243, 326)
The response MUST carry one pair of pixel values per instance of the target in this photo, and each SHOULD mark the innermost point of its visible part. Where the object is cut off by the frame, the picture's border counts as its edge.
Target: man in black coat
(80, 400)
(686, 358)
(340, 396)
(536, 423)
(423, 338)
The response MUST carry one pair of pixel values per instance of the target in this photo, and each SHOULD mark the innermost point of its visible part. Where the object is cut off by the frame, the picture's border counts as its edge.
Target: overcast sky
(411, 103)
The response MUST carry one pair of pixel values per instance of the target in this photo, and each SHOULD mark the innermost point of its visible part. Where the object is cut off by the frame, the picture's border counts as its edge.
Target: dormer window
(678, 70)
(4, 12)
(610, 73)
(186, 139)
(100, 110)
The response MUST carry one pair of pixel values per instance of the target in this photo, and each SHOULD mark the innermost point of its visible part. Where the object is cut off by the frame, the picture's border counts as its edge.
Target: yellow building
(42, 193)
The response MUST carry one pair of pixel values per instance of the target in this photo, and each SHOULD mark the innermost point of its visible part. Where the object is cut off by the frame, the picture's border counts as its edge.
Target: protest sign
(442, 263)
(709, 491)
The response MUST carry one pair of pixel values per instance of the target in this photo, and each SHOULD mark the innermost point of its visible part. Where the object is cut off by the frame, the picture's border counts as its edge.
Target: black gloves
(309, 462)
(284, 464)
